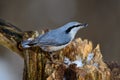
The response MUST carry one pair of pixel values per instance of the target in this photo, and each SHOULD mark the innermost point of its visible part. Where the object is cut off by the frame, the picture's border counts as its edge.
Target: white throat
(73, 32)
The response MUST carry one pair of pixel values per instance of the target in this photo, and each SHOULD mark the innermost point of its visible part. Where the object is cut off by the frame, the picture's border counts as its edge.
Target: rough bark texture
(77, 61)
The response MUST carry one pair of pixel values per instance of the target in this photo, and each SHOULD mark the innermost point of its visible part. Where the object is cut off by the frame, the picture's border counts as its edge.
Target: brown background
(103, 17)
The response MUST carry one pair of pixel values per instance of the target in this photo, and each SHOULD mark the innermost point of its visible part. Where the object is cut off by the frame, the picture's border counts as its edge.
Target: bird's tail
(28, 43)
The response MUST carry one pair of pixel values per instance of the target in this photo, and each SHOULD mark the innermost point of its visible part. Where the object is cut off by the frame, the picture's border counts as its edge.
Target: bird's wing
(28, 43)
(52, 42)
(53, 39)
(45, 42)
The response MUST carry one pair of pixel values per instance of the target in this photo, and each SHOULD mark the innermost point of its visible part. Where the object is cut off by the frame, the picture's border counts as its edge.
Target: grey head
(72, 28)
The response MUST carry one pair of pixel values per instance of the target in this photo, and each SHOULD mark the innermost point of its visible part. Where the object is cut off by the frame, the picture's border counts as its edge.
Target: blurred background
(103, 17)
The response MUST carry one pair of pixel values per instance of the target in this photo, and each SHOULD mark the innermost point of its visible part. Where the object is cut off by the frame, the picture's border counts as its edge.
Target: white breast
(53, 48)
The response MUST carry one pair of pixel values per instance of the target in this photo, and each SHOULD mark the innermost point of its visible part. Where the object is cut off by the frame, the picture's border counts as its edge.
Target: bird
(55, 39)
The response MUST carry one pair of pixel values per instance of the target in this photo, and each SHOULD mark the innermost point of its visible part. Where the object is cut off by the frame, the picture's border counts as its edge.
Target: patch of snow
(30, 39)
(95, 64)
(90, 57)
(78, 62)
(67, 61)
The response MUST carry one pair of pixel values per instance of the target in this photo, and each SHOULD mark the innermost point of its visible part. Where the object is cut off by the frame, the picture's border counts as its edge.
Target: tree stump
(78, 61)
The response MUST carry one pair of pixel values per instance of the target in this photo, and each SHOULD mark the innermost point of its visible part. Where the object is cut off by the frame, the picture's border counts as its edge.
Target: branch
(10, 37)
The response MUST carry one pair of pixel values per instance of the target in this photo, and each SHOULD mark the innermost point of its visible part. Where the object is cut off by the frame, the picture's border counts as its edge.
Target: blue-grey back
(54, 37)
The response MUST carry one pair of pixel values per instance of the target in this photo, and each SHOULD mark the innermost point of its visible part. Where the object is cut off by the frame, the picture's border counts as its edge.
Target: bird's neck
(72, 34)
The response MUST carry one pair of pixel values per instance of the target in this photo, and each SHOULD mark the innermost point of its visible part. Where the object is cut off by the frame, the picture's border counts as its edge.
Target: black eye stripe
(76, 25)
(70, 28)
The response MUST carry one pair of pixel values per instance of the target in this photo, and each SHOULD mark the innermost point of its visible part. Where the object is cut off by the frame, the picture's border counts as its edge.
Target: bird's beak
(83, 25)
